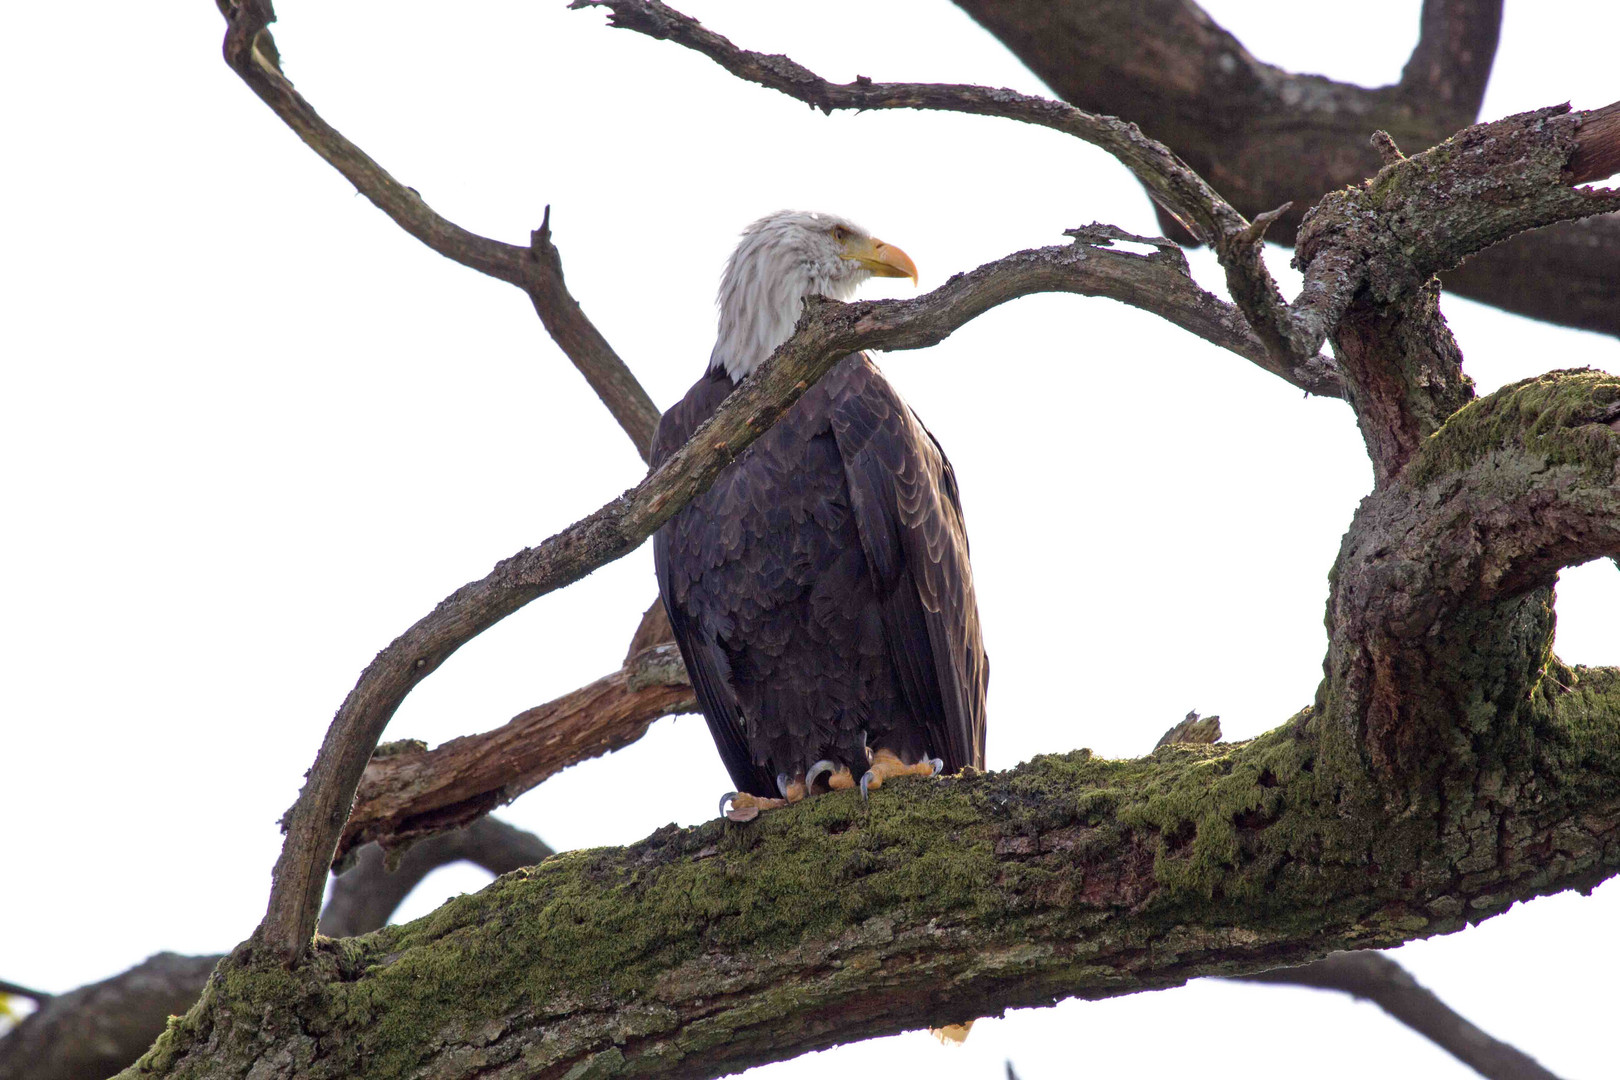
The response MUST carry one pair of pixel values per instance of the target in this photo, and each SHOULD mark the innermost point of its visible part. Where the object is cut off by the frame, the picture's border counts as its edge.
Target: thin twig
(1293, 333)
(536, 269)
(1166, 176)
(1169, 180)
(15, 990)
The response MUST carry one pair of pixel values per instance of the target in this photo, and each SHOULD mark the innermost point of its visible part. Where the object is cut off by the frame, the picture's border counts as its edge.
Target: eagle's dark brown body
(820, 592)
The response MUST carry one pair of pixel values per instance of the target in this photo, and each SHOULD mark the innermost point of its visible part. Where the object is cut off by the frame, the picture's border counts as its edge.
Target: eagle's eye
(840, 233)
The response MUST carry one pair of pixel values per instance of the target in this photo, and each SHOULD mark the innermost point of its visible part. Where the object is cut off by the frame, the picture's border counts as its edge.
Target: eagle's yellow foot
(886, 765)
(839, 778)
(746, 807)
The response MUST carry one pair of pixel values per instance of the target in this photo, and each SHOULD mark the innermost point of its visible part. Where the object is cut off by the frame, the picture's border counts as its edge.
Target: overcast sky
(252, 431)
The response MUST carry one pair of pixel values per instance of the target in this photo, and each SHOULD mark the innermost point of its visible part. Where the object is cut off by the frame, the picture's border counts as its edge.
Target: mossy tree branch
(699, 952)
(1377, 247)
(1440, 608)
(1441, 774)
(703, 951)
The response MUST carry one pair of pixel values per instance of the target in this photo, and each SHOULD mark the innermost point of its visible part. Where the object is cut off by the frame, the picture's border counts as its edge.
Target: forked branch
(826, 332)
(1293, 333)
(536, 269)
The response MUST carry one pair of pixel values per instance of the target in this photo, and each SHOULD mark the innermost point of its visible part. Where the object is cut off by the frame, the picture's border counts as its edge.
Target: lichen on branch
(701, 951)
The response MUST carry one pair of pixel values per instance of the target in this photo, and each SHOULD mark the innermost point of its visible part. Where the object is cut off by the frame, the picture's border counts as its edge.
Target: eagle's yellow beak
(884, 260)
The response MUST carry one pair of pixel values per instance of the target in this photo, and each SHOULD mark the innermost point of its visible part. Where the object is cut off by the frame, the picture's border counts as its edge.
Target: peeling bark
(411, 793)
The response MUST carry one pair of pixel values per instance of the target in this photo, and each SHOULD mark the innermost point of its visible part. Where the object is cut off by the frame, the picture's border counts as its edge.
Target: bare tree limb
(1174, 186)
(537, 269)
(365, 896)
(1451, 64)
(1562, 273)
(1598, 155)
(405, 796)
(1292, 333)
(1182, 191)
(14, 990)
(1265, 136)
(582, 343)
(1360, 246)
(1372, 976)
(92, 1032)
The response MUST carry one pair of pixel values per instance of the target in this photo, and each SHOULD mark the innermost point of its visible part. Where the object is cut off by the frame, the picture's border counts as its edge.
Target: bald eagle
(820, 591)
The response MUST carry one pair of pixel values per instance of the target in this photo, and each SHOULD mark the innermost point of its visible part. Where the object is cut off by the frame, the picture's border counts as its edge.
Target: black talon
(822, 766)
(938, 764)
(782, 783)
(866, 778)
(727, 797)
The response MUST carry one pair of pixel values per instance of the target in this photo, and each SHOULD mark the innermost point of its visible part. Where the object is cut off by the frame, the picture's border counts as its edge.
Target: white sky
(252, 431)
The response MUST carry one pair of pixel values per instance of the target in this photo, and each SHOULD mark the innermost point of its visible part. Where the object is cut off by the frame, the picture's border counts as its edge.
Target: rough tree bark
(1266, 137)
(1449, 766)
(92, 1032)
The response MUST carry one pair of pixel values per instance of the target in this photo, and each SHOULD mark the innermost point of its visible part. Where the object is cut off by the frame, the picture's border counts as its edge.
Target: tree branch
(1182, 191)
(537, 270)
(1266, 137)
(92, 1032)
(407, 795)
(1372, 976)
(1263, 135)
(13, 990)
(1294, 333)
(1450, 66)
(1375, 249)
(1172, 184)
(700, 952)
(825, 333)
(1440, 605)
(582, 343)
(365, 896)
(1562, 273)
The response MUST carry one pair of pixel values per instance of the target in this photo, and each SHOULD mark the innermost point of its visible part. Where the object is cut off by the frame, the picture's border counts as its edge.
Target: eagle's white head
(783, 258)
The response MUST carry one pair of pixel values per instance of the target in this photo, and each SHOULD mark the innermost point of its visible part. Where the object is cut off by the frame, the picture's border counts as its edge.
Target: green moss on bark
(1561, 416)
(700, 950)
